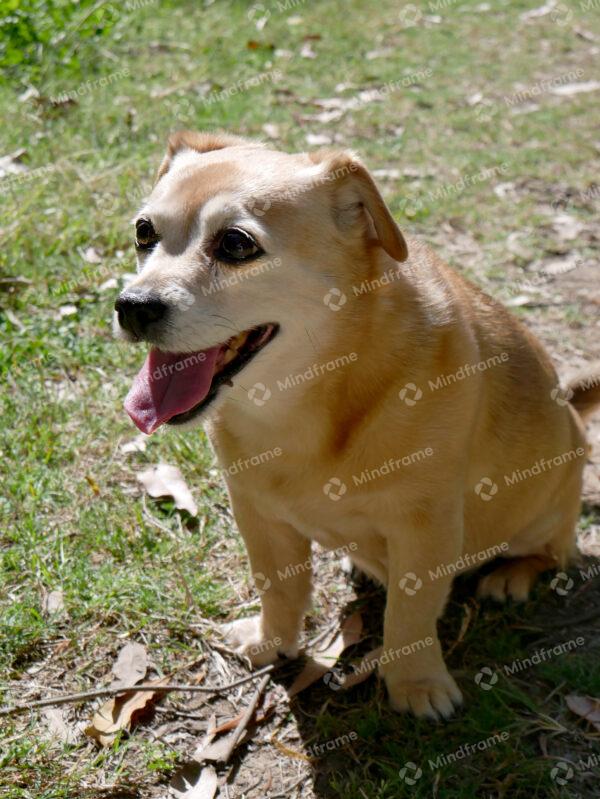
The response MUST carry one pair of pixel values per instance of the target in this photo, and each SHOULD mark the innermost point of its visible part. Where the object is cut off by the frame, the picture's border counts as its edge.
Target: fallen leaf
(570, 89)
(191, 783)
(585, 34)
(58, 729)
(131, 665)
(475, 98)
(120, 713)
(31, 93)
(67, 310)
(589, 541)
(585, 706)
(138, 444)
(560, 266)
(11, 164)
(567, 227)
(387, 174)
(317, 139)
(540, 11)
(109, 285)
(306, 51)
(221, 750)
(53, 603)
(165, 480)
(92, 256)
(271, 130)
(209, 736)
(383, 52)
(364, 669)
(324, 117)
(323, 661)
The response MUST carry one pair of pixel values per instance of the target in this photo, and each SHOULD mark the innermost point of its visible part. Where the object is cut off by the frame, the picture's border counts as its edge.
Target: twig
(234, 738)
(103, 692)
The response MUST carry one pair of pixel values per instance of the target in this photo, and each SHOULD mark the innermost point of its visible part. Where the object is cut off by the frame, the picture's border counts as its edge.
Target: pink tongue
(168, 384)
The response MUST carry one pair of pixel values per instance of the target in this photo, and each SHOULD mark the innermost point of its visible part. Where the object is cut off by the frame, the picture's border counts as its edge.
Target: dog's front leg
(280, 559)
(412, 664)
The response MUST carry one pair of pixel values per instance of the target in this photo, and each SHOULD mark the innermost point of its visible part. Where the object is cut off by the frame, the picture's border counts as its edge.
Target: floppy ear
(201, 142)
(354, 193)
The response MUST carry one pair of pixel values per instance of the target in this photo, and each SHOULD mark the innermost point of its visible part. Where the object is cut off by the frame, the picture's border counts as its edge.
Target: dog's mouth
(173, 388)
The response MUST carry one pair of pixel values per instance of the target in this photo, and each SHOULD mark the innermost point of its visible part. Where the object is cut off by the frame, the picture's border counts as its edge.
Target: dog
(357, 392)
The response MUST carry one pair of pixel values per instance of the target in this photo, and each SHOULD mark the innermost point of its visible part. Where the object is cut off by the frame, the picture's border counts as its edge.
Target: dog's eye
(236, 245)
(145, 235)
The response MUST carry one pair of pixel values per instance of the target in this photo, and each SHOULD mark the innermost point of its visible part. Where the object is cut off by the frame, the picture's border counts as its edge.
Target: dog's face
(237, 246)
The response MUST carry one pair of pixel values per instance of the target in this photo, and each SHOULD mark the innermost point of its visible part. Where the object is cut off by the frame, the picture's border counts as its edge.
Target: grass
(71, 513)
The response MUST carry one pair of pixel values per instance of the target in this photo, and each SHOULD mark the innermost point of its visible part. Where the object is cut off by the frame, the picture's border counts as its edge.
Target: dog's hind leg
(515, 577)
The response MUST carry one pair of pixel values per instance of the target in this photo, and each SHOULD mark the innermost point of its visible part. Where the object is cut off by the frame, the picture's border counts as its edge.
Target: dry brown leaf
(131, 665)
(586, 706)
(567, 226)
(137, 444)
(11, 164)
(207, 740)
(569, 89)
(321, 662)
(165, 480)
(318, 139)
(191, 784)
(589, 541)
(221, 750)
(53, 603)
(366, 667)
(306, 51)
(540, 11)
(91, 255)
(120, 713)
(58, 729)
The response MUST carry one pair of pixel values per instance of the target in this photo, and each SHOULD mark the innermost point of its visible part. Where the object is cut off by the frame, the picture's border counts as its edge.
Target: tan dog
(357, 391)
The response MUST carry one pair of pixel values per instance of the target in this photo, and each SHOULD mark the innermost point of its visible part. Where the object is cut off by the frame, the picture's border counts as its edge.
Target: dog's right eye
(145, 235)
(237, 246)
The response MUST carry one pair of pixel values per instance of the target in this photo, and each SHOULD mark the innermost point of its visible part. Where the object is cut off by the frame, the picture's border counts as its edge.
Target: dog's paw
(246, 637)
(431, 698)
(513, 580)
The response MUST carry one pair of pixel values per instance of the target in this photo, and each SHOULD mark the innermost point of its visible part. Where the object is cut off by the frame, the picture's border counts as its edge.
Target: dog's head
(237, 246)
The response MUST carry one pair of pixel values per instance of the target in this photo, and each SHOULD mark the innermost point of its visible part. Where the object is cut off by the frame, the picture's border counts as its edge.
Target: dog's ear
(354, 193)
(201, 142)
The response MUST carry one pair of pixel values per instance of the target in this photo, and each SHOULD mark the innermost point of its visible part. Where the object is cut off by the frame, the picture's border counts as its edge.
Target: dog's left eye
(145, 235)
(235, 245)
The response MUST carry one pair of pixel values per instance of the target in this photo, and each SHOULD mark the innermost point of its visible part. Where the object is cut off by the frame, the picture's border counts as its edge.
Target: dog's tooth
(229, 355)
(237, 341)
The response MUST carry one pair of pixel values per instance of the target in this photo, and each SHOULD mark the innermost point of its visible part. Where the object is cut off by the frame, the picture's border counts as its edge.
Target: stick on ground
(67, 699)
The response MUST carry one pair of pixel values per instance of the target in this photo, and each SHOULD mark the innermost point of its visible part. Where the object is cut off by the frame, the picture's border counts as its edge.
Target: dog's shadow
(350, 735)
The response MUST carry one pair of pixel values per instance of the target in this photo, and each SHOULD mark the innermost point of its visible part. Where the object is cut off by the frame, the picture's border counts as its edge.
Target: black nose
(139, 308)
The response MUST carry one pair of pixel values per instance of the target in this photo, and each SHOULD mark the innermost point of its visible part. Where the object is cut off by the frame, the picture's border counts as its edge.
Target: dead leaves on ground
(195, 783)
(587, 707)
(131, 665)
(198, 779)
(165, 480)
(121, 712)
(322, 662)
